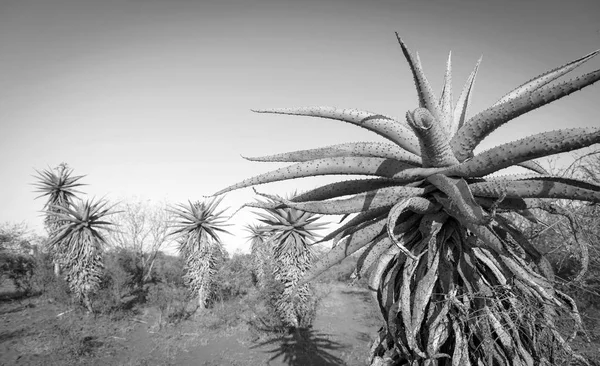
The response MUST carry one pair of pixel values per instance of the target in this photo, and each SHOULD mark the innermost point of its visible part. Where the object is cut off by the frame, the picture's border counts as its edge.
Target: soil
(36, 331)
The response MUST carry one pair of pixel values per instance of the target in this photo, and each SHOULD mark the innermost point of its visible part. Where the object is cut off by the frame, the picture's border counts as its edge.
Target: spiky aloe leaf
(387, 168)
(383, 197)
(534, 188)
(545, 78)
(369, 149)
(446, 96)
(387, 127)
(464, 100)
(534, 166)
(344, 188)
(531, 147)
(426, 97)
(481, 125)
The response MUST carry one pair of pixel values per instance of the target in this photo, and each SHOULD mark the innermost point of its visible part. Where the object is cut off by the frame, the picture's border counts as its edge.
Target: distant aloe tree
(59, 187)
(261, 251)
(196, 227)
(80, 235)
(293, 231)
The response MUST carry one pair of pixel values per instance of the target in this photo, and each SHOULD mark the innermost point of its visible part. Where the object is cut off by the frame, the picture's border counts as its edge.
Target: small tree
(81, 237)
(196, 227)
(261, 251)
(143, 230)
(293, 231)
(60, 187)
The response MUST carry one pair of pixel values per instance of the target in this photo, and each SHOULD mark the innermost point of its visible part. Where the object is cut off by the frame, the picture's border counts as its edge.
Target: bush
(234, 278)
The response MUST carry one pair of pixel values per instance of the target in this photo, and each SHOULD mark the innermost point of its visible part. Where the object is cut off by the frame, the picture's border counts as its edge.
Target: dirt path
(341, 335)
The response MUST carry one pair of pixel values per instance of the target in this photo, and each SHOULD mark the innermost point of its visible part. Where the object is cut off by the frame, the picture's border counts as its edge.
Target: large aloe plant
(80, 237)
(60, 190)
(455, 281)
(196, 226)
(292, 232)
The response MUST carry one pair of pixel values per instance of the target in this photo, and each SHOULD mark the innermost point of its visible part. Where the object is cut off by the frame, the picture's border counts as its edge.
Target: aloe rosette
(261, 252)
(456, 282)
(60, 189)
(80, 237)
(197, 226)
(291, 233)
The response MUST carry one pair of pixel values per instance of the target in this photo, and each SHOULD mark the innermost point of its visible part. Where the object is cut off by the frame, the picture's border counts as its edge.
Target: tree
(261, 252)
(60, 189)
(82, 239)
(292, 233)
(456, 282)
(143, 230)
(196, 227)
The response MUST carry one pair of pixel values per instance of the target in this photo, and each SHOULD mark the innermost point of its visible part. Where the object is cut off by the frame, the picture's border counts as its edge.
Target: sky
(152, 99)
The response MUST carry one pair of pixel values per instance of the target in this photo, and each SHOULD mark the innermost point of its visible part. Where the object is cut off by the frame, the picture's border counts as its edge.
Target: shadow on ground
(304, 347)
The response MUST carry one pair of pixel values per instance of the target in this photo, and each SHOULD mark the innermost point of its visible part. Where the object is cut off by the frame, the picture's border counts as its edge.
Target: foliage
(233, 278)
(455, 279)
(292, 233)
(196, 227)
(60, 188)
(261, 250)
(143, 231)
(81, 241)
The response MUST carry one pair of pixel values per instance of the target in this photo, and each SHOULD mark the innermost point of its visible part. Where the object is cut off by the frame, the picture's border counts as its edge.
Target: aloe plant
(456, 282)
(60, 189)
(261, 252)
(80, 237)
(196, 227)
(292, 232)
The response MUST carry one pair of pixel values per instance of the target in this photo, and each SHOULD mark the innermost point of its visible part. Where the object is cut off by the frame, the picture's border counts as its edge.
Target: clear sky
(152, 98)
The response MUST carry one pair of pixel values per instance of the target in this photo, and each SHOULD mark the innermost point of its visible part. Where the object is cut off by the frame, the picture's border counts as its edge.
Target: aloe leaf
(534, 188)
(330, 166)
(481, 125)
(387, 127)
(355, 224)
(433, 139)
(534, 166)
(531, 147)
(459, 197)
(415, 204)
(344, 188)
(423, 290)
(344, 248)
(372, 254)
(446, 96)
(383, 197)
(546, 78)
(426, 97)
(464, 100)
(369, 149)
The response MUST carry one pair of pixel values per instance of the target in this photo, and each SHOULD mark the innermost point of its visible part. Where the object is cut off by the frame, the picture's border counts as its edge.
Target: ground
(39, 332)
(36, 331)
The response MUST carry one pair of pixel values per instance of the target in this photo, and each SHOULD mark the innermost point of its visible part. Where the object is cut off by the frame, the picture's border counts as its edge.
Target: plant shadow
(302, 346)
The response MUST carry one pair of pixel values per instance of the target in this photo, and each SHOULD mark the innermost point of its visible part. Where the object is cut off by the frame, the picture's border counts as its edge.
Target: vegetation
(80, 235)
(292, 232)
(60, 189)
(197, 226)
(455, 280)
(261, 250)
